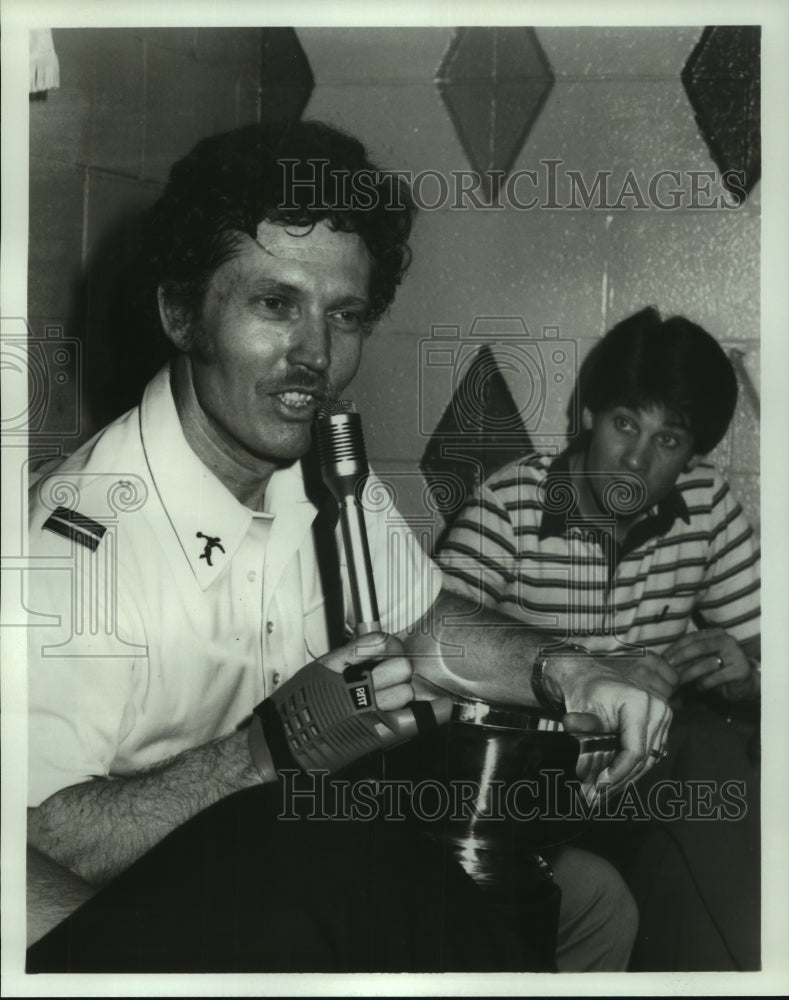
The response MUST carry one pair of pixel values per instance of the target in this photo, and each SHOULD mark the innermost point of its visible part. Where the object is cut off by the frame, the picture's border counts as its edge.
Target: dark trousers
(696, 878)
(238, 889)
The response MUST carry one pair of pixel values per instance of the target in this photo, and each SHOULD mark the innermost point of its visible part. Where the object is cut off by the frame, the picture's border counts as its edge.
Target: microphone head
(336, 407)
(341, 450)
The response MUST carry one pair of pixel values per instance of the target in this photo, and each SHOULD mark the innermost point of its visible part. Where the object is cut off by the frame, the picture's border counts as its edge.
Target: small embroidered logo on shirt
(210, 543)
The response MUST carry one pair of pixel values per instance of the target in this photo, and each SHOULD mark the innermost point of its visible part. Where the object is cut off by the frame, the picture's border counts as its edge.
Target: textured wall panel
(179, 40)
(547, 267)
(628, 126)
(361, 55)
(200, 81)
(704, 265)
(118, 103)
(115, 205)
(227, 47)
(387, 385)
(617, 52)
(184, 101)
(747, 490)
(55, 238)
(418, 135)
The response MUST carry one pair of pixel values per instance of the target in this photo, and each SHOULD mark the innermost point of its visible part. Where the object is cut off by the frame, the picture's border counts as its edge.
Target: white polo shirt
(154, 638)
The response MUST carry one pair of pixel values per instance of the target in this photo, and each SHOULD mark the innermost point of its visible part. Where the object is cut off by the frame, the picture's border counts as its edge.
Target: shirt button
(252, 576)
(276, 678)
(269, 627)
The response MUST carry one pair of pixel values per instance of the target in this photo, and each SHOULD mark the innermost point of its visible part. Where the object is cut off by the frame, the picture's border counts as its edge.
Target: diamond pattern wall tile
(480, 431)
(286, 80)
(494, 83)
(722, 79)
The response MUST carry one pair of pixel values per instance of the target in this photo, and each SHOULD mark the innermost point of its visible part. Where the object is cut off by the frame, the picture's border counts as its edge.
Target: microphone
(344, 470)
(321, 718)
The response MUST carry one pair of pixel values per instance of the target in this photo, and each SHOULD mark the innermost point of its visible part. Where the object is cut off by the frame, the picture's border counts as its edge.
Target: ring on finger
(660, 753)
(718, 662)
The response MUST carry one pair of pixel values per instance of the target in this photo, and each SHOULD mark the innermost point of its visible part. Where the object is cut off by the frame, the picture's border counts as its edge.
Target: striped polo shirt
(521, 546)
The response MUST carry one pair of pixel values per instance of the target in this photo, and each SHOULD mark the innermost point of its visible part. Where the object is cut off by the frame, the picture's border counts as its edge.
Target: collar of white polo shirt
(195, 500)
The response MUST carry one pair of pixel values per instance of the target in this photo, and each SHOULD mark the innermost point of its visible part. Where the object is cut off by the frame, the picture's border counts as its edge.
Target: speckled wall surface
(617, 104)
(130, 103)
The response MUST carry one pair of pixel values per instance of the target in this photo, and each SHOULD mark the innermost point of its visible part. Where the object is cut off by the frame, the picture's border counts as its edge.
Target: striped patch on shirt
(79, 528)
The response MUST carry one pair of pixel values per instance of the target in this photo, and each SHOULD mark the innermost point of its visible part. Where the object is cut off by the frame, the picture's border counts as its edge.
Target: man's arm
(53, 892)
(480, 653)
(98, 828)
(713, 658)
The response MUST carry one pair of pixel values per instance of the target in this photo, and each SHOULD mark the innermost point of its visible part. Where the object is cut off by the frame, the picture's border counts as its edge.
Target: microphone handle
(360, 567)
(344, 469)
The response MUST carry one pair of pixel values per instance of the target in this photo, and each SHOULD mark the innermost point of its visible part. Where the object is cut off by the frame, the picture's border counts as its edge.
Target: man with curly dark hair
(298, 175)
(270, 254)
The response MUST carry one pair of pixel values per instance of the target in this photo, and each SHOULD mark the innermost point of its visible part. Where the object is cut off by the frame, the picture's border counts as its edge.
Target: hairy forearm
(488, 656)
(53, 892)
(476, 653)
(98, 828)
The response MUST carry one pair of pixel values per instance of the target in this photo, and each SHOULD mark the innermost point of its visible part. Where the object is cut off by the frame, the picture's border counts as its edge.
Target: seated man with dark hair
(183, 582)
(630, 545)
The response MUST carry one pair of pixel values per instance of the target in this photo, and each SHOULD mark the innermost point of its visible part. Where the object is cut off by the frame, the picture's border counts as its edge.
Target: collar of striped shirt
(657, 521)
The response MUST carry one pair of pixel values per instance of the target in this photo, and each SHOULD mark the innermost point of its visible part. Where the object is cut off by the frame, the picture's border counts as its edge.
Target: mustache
(316, 384)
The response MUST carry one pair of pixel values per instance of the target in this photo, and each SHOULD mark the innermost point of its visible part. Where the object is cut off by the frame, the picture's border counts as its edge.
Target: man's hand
(392, 671)
(649, 671)
(640, 718)
(715, 661)
(352, 701)
(494, 663)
